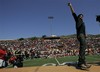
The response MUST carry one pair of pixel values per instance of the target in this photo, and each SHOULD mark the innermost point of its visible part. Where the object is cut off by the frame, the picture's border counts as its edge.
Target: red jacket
(13, 58)
(2, 54)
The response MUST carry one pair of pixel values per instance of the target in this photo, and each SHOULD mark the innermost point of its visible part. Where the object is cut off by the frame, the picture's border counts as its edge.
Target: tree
(33, 38)
(20, 39)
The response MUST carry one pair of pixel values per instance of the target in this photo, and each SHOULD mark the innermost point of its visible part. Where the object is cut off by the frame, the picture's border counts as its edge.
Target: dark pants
(82, 40)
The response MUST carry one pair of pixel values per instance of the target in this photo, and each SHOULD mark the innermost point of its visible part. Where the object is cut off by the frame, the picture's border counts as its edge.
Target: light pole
(51, 19)
(98, 18)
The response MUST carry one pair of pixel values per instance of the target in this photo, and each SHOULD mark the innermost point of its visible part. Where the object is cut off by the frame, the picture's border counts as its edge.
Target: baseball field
(62, 64)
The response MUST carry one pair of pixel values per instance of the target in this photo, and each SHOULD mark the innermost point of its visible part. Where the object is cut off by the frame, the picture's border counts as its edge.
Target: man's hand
(69, 4)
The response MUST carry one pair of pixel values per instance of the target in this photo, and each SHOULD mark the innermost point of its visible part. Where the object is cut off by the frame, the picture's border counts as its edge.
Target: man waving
(81, 36)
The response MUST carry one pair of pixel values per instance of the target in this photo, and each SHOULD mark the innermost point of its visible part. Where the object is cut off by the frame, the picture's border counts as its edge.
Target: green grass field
(42, 61)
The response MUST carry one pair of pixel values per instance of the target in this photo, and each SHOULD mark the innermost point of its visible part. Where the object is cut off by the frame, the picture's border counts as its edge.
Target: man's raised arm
(73, 12)
(71, 8)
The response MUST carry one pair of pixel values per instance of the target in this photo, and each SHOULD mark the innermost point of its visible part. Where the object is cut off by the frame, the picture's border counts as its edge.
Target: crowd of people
(46, 48)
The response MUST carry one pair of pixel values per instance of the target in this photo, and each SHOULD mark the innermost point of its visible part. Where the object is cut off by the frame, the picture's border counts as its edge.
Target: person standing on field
(81, 36)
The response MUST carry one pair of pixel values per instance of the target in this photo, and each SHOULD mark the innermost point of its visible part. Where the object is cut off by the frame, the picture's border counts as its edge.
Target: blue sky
(29, 18)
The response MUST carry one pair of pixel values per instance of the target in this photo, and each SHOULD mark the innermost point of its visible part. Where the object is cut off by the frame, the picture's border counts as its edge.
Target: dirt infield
(50, 69)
